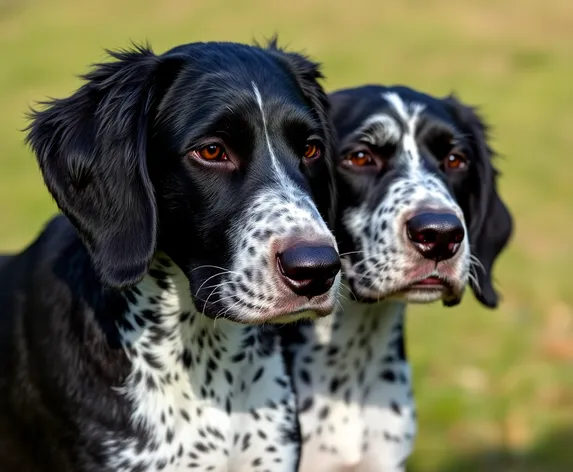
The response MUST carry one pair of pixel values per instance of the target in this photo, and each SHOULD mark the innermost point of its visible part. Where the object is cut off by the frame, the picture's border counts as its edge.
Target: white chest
(204, 396)
(354, 394)
(255, 433)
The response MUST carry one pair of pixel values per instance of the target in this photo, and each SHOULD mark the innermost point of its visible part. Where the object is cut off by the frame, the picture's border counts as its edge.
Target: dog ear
(92, 152)
(490, 224)
(307, 74)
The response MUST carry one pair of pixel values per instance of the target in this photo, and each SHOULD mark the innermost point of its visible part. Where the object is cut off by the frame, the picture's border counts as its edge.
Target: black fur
(401, 154)
(490, 224)
(114, 157)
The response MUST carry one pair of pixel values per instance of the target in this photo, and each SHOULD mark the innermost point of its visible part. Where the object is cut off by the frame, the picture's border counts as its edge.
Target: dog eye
(311, 151)
(456, 161)
(359, 159)
(212, 152)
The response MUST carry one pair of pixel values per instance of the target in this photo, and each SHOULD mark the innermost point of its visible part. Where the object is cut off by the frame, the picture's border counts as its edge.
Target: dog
(196, 188)
(419, 217)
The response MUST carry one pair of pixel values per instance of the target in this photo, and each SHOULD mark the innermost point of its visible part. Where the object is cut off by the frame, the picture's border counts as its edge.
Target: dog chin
(421, 296)
(410, 294)
(281, 319)
(292, 309)
(449, 295)
(305, 312)
(282, 314)
(294, 317)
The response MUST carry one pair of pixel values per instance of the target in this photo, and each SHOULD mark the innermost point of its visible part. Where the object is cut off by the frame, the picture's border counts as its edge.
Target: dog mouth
(283, 310)
(431, 283)
(423, 290)
(291, 310)
(428, 289)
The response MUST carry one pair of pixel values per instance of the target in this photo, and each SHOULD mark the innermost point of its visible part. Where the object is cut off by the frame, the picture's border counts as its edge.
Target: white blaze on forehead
(384, 129)
(282, 180)
(399, 106)
(274, 160)
(410, 117)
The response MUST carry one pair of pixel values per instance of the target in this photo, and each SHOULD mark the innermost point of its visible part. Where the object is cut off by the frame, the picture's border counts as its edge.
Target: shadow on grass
(553, 454)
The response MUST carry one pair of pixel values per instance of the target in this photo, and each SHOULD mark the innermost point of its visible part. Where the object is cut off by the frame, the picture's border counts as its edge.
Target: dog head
(419, 213)
(215, 154)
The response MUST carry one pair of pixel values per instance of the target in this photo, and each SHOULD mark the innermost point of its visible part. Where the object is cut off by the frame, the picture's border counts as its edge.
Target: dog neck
(191, 377)
(376, 327)
(168, 337)
(351, 374)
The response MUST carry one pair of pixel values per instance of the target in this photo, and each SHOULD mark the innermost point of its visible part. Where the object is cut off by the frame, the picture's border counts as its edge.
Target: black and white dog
(195, 189)
(419, 217)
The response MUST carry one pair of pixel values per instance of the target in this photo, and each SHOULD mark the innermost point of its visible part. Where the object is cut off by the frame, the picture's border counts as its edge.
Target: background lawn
(494, 388)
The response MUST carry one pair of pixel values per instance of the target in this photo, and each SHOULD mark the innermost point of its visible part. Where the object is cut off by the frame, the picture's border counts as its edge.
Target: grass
(494, 388)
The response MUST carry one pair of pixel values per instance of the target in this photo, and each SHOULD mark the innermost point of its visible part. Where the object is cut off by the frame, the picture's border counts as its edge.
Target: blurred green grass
(494, 388)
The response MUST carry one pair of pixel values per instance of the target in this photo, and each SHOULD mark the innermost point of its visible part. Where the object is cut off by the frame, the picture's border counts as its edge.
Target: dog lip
(291, 309)
(432, 282)
(321, 305)
(429, 283)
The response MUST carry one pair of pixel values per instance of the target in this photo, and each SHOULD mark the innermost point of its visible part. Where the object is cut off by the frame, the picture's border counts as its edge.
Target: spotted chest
(355, 401)
(205, 395)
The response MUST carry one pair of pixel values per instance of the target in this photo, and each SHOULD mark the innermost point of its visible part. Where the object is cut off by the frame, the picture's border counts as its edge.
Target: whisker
(201, 299)
(474, 261)
(351, 252)
(374, 267)
(222, 284)
(473, 278)
(209, 278)
(220, 315)
(208, 266)
(262, 307)
(207, 301)
(347, 287)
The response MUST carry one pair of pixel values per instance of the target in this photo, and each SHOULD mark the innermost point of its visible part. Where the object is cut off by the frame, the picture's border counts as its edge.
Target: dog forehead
(399, 118)
(392, 121)
(247, 108)
(223, 56)
(358, 108)
(227, 67)
(427, 108)
(227, 93)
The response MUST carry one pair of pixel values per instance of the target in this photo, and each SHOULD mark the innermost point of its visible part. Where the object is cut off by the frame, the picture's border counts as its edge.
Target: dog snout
(436, 236)
(308, 269)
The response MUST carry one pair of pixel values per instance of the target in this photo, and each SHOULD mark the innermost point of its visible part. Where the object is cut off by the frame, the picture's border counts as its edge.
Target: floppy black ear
(490, 224)
(92, 151)
(307, 74)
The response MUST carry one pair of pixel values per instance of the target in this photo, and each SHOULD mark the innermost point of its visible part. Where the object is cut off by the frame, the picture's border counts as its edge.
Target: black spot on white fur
(354, 367)
(134, 328)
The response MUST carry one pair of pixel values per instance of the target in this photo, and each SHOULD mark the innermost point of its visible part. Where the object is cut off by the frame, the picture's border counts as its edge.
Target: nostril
(458, 235)
(423, 237)
(309, 270)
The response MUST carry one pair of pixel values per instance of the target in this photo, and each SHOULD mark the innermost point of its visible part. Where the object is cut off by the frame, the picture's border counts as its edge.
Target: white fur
(361, 431)
(274, 160)
(371, 426)
(187, 408)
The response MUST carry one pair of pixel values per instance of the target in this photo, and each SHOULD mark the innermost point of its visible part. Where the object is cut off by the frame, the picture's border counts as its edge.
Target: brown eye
(359, 159)
(456, 161)
(311, 151)
(212, 152)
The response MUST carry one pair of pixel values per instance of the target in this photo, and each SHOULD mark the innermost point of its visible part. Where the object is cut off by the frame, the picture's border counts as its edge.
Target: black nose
(309, 270)
(437, 236)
